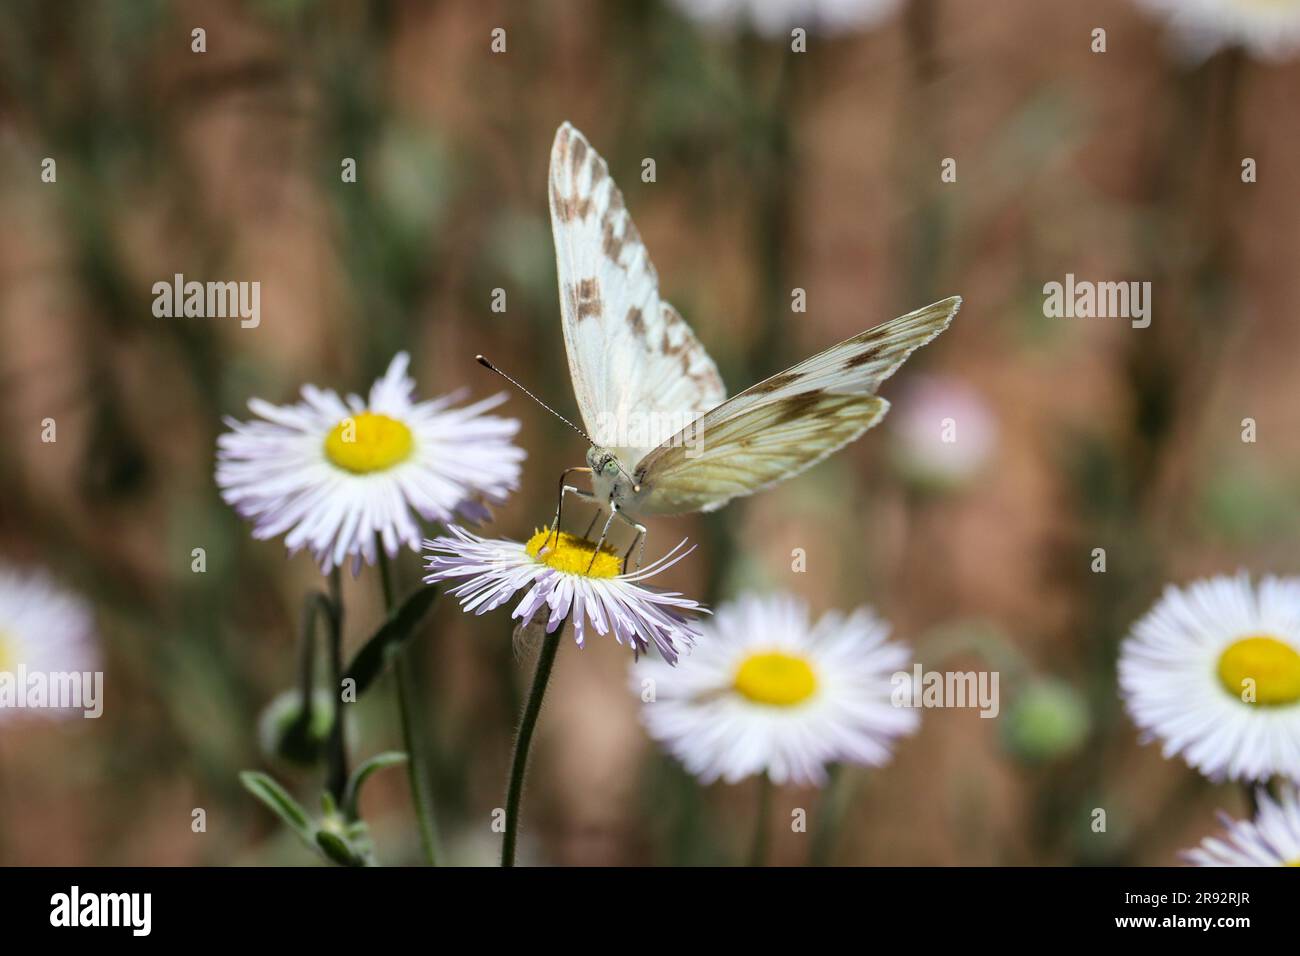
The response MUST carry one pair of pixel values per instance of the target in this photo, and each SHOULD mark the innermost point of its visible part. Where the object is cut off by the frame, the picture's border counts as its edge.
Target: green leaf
(352, 793)
(380, 650)
(280, 803)
(337, 850)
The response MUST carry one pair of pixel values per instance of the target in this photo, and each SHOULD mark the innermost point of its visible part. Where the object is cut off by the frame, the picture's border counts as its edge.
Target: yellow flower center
(572, 555)
(776, 679)
(1262, 670)
(368, 442)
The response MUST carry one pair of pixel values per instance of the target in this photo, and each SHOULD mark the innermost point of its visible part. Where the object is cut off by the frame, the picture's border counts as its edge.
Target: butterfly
(665, 439)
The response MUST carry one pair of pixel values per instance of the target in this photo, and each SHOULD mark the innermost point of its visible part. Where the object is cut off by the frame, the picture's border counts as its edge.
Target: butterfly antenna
(482, 360)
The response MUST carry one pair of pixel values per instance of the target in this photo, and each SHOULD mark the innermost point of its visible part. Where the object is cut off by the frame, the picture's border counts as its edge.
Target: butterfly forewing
(639, 373)
(785, 423)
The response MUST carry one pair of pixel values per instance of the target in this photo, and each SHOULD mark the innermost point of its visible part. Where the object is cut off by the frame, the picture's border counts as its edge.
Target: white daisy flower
(330, 474)
(1271, 839)
(559, 572)
(773, 18)
(1213, 670)
(44, 631)
(1269, 29)
(768, 691)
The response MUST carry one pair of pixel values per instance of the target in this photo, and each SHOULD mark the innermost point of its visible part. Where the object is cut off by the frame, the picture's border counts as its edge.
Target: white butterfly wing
(786, 423)
(639, 372)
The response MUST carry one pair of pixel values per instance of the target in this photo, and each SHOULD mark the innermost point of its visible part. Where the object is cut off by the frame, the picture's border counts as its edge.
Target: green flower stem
(406, 692)
(762, 819)
(337, 777)
(835, 800)
(524, 740)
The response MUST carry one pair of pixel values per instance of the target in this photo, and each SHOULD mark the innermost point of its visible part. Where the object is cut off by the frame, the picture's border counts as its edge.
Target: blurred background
(775, 171)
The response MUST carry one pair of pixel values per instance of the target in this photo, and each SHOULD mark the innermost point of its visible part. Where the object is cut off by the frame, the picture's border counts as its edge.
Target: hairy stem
(524, 740)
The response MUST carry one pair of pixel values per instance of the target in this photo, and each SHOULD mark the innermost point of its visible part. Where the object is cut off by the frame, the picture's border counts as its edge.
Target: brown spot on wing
(637, 321)
(612, 244)
(798, 406)
(862, 358)
(577, 154)
(586, 299)
(617, 229)
(672, 320)
(776, 383)
(569, 208)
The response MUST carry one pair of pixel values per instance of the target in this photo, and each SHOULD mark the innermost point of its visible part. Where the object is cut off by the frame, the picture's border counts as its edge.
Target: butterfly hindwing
(639, 373)
(758, 447)
(785, 423)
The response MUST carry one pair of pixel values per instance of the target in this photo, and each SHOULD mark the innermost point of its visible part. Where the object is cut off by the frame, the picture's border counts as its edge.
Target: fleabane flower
(1271, 839)
(332, 474)
(566, 575)
(1213, 670)
(767, 690)
(1269, 29)
(44, 631)
(944, 433)
(772, 18)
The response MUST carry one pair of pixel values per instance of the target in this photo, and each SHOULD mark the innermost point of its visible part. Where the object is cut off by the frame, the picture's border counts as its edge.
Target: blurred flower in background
(577, 582)
(1213, 670)
(43, 630)
(943, 431)
(774, 18)
(1049, 719)
(767, 691)
(1266, 28)
(1272, 838)
(333, 475)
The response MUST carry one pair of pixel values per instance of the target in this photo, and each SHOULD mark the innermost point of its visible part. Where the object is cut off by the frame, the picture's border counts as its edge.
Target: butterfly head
(609, 479)
(603, 463)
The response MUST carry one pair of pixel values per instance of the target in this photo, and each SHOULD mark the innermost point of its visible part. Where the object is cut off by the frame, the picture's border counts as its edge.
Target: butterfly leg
(559, 502)
(613, 510)
(640, 538)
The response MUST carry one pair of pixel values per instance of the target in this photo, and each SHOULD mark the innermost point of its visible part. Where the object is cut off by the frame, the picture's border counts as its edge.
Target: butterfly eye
(610, 467)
